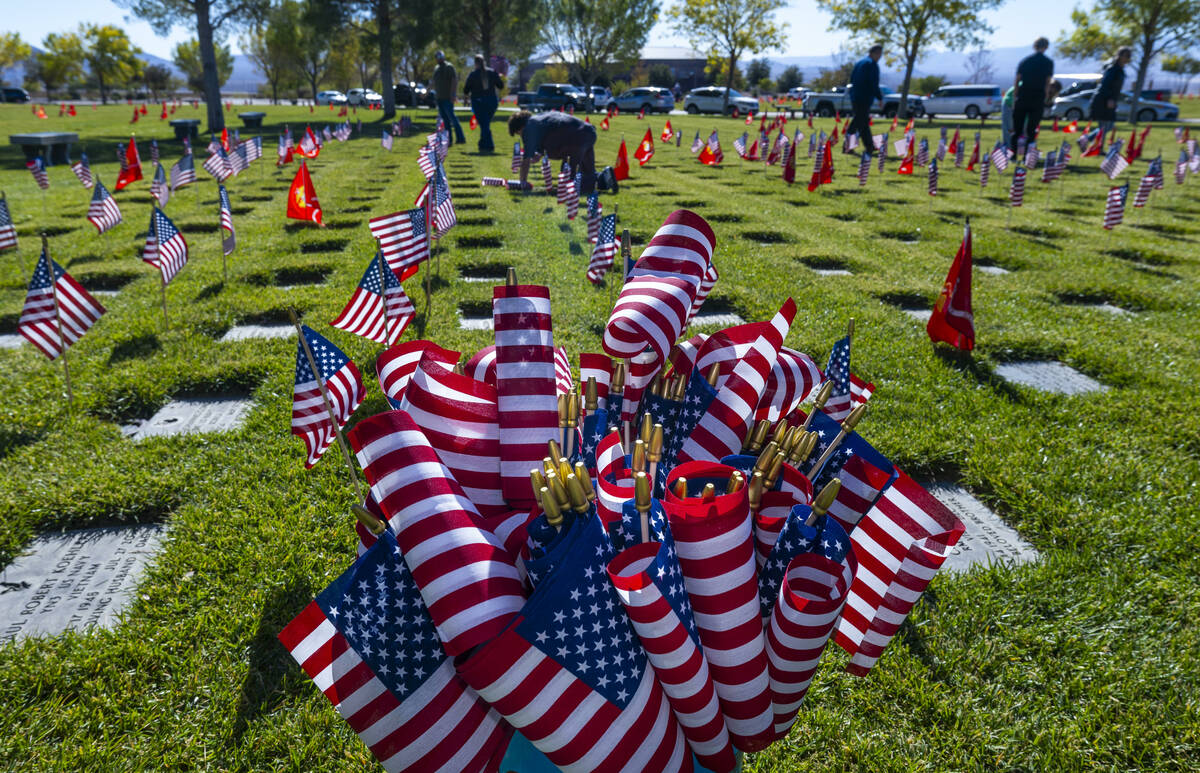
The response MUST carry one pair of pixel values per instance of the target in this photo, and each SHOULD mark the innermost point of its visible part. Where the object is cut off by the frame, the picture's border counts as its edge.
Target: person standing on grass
(1104, 101)
(864, 90)
(559, 136)
(1034, 74)
(483, 87)
(445, 87)
(1006, 114)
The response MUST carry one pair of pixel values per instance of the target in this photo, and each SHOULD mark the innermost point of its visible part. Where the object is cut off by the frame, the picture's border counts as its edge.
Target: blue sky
(1017, 23)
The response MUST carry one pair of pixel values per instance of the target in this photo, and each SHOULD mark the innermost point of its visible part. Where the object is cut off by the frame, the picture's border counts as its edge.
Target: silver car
(711, 99)
(1078, 106)
(331, 98)
(652, 99)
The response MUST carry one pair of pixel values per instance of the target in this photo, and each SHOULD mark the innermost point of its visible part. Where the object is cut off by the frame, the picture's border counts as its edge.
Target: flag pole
(20, 268)
(312, 363)
(62, 340)
(221, 239)
(626, 253)
(166, 321)
(382, 292)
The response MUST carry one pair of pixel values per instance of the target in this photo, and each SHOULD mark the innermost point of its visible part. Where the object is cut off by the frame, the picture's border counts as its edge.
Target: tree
(911, 26)
(12, 50)
(1183, 65)
(927, 84)
(726, 29)
(210, 19)
(110, 56)
(315, 41)
(274, 46)
(836, 77)
(551, 73)
(660, 75)
(1152, 27)
(187, 58)
(508, 27)
(59, 62)
(592, 36)
(979, 66)
(790, 78)
(365, 59)
(757, 70)
(158, 79)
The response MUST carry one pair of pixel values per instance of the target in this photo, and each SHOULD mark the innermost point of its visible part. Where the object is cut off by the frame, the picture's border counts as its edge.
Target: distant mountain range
(245, 77)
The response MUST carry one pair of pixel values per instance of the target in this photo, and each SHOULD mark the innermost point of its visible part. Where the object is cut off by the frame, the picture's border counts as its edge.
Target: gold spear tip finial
(804, 448)
(558, 489)
(585, 480)
(564, 468)
(826, 497)
(551, 507)
(591, 395)
(368, 519)
(822, 395)
(736, 482)
(775, 470)
(641, 491)
(572, 410)
(759, 437)
(639, 456)
(555, 450)
(709, 493)
(763, 463)
(655, 450)
(680, 488)
(646, 427)
(618, 379)
(779, 433)
(575, 492)
(756, 490)
(510, 277)
(538, 482)
(851, 421)
(562, 411)
(713, 374)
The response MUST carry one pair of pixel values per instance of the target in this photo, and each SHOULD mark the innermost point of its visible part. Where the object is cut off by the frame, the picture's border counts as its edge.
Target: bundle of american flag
(523, 568)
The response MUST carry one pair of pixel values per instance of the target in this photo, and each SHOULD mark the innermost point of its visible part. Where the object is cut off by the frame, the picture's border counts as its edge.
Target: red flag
(645, 150)
(621, 168)
(974, 158)
(1097, 145)
(1054, 128)
(143, 108)
(1142, 141)
(810, 122)
(707, 156)
(604, 123)
(908, 126)
(641, 114)
(895, 123)
(1072, 127)
(906, 166)
(163, 115)
(789, 164)
(749, 118)
(1132, 152)
(833, 138)
(823, 174)
(302, 198)
(953, 147)
(131, 169)
(667, 132)
(136, 115)
(71, 110)
(474, 123)
(308, 145)
(952, 320)
(225, 139)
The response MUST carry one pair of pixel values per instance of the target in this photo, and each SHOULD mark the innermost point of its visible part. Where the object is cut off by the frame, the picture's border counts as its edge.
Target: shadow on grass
(135, 348)
(211, 291)
(965, 362)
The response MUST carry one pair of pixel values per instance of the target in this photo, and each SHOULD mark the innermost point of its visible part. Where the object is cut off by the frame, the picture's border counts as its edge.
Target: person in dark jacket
(445, 86)
(864, 90)
(560, 136)
(1034, 74)
(1104, 101)
(483, 87)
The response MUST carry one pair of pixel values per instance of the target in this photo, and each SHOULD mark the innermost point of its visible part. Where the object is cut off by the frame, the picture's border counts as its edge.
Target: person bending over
(560, 136)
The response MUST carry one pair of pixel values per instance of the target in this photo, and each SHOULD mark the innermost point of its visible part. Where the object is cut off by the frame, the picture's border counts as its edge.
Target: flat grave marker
(832, 272)
(1109, 308)
(994, 270)
(921, 315)
(192, 415)
(11, 341)
(247, 332)
(988, 540)
(724, 319)
(1049, 376)
(74, 580)
(474, 323)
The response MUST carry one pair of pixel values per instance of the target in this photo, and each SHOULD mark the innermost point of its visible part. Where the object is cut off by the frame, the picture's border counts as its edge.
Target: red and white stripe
(442, 726)
(812, 595)
(793, 377)
(77, 311)
(84, 173)
(599, 367)
(103, 211)
(395, 366)
(310, 418)
(1016, 194)
(614, 485)
(547, 175)
(525, 382)
(715, 545)
(482, 366)
(862, 483)
(466, 577)
(458, 416)
(1145, 185)
(675, 657)
(562, 372)
(403, 244)
(899, 545)
(707, 283)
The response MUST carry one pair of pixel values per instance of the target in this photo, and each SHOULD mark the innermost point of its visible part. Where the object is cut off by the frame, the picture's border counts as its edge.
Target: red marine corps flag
(645, 150)
(952, 320)
(302, 198)
(621, 168)
(131, 166)
(667, 132)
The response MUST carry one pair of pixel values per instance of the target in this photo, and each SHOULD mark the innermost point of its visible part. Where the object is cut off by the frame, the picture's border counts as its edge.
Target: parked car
(409, 94)
(798, 92)
(1073, 83)
(837, 100)
(971, 100)
(363, 97)
(1077, 106)
(601, 97)
(711, 99)
(554, 96)
(14, 95)
(652, 99)
(331, 98)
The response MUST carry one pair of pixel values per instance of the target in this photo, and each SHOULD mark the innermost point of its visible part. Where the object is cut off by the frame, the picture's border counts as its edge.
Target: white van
(972, 100)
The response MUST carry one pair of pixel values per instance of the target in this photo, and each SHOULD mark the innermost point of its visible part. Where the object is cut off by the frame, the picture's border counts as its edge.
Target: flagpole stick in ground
(312, 363)
(221, 239)
(20, 268)
(383, 292)
(848, 425)
(62, 340)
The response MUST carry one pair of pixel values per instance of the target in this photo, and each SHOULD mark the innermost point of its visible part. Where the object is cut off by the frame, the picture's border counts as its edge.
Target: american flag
(793, 377)
(236, 158)
(941, 148)
(229, 240)
(166, 249)
(342, 133)
(594, 211)
(187, 146)
(218, 165)
(8, 232)
(465, 576)
(864, 168)
(547, 174)
(1114, 208)
(1016, 193)
(516, 158)
(1114, 163)
(1032, 156)
(1145, 185)
(387, 674)
(900, 544)
(38, 168)
(482, 365)
(525, 384)
(386, 140)
(599, 367)
(396, 365)
(158, 186)
(739, 144)
(563, 384)
(697, 143)
(251, 149)
(366, 315)
(83, 171)
(310, 146)
(649, 583)
(1156, 172)
(553, 682)
(1181, 167)
(999, 156)
(328, 134)
(343, 386)
(933, 177)
(40, 321)
(923, 152)
(403, 238)
(153, 151)
(183, 172)
(442, 207)
(1050, 170)
(607, 246)
(427, 161)
(984, 170)
(837, 370)
(282, 151)
(960, 151)
(881, 145)
(103, 211)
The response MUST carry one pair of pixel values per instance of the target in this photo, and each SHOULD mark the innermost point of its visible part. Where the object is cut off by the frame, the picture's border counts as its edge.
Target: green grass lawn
(1089, 658)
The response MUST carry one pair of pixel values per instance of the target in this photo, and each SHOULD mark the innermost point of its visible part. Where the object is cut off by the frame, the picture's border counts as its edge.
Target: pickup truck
(826, 103)
(554, 96)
